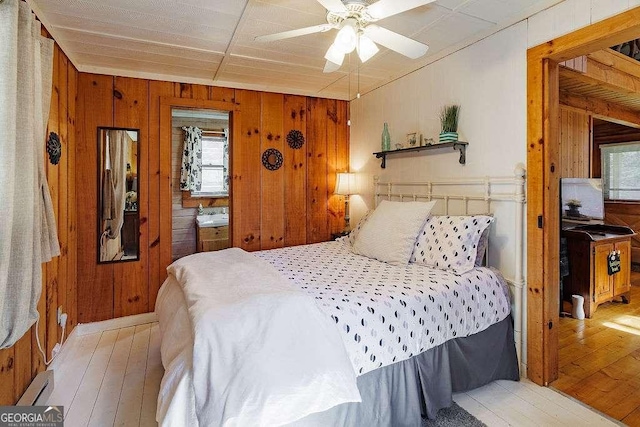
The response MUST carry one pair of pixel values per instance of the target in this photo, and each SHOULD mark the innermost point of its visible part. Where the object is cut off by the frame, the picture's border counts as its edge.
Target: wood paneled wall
(291, 206)
(21, 363)
(575, 144)
(106, 291)
(295, 204)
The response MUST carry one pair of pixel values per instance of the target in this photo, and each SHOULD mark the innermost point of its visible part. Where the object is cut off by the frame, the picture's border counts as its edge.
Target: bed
(410, 335)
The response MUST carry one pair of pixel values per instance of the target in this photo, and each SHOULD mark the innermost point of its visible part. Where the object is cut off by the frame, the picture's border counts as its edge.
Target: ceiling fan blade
(397, 42)
(385, 8)
(330, 67)
(333, 5)
(294, 33)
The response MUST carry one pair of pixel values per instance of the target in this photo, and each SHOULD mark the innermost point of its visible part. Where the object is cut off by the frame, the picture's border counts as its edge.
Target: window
(621, 171)
(214, 177)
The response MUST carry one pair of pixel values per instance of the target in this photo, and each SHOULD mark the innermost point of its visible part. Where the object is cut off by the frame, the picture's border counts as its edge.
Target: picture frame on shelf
(425, 142)
(413, 140)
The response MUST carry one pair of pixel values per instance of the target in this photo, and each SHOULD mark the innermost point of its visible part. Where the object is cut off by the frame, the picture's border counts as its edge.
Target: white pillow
(354, 233)
(450, 242)
(390, 232)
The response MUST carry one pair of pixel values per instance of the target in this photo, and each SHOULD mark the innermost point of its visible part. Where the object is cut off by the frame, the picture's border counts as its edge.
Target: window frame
(606, 167)
(212, 194)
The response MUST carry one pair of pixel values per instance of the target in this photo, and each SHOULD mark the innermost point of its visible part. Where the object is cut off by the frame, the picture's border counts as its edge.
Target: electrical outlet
(60, 315)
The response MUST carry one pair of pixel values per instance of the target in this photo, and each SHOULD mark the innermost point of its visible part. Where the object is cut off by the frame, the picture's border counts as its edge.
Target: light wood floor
(113, 378)
(599, 358)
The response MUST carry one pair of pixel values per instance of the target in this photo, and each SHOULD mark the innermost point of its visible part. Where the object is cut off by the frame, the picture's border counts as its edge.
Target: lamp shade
(334, 55)
(346, 184)
(366, 48)
(347, 37)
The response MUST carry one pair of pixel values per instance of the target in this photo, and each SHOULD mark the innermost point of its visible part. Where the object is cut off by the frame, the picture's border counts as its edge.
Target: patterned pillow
(355, 231)
(390, 232)
(450, 242)
(483, 243)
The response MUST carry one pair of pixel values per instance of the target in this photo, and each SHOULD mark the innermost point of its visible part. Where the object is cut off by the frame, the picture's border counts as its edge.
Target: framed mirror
(118, 213)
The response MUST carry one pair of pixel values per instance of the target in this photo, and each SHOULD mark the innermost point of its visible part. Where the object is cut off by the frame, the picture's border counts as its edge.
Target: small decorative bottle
(386, 138)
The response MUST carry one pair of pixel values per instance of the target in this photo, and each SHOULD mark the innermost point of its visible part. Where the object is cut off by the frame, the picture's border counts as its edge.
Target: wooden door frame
(166, 213)
(543, 210)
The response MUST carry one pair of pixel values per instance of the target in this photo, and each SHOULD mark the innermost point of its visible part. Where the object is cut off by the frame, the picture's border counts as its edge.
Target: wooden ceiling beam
(601, 109)
(616, 60)
(604, 76)
(601, 35)
(613, 78)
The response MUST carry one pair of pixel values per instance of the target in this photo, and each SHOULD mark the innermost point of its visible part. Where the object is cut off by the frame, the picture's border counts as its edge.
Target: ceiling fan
(354, 19)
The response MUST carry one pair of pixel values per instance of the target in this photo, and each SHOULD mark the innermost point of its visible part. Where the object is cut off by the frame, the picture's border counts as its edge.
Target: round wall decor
(295, 139)
(54, 148)
(272, 159)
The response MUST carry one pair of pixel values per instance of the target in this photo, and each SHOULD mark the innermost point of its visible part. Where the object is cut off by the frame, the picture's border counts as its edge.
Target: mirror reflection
(118, 219)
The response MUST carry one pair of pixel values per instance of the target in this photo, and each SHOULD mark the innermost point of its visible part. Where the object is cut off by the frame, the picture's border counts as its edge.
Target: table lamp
(346, 185)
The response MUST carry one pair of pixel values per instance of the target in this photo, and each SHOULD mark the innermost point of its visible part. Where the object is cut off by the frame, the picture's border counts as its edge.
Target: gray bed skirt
(403, 393)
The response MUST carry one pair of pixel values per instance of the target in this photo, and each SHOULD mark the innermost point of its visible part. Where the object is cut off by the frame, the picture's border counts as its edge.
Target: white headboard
(486, 195)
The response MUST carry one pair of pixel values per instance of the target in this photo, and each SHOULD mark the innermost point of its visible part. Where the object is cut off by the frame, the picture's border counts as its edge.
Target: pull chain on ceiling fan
(354, 19)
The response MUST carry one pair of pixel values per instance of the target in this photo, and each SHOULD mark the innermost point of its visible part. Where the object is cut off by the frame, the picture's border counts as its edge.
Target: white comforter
(263, 352)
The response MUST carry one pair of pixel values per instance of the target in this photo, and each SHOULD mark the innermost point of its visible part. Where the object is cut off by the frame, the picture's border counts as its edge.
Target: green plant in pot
(574, 206)
(449, 123)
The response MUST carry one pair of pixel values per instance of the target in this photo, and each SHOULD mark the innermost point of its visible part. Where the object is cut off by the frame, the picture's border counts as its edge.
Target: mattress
(385, 313)
(388, 313)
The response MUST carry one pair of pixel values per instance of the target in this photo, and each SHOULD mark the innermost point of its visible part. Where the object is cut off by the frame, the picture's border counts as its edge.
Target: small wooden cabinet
(589, 248)
(212, 238)
(130, 234)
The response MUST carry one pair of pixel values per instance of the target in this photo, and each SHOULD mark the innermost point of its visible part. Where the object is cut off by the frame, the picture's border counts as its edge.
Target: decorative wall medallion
(272, 159)
(295, 139)
(54, 148)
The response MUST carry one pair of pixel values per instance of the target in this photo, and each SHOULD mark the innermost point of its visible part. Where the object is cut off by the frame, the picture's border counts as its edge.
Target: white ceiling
(212, 41)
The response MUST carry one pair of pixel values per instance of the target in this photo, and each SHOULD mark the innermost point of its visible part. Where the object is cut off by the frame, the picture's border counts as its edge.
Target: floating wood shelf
(456, 145)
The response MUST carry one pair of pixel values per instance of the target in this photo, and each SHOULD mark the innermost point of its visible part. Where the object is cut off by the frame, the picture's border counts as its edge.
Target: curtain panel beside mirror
(28, 235)
(191, 169)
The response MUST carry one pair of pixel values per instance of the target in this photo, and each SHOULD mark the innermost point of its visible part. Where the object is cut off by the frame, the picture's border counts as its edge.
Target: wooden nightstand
(589, 246)
(335, 236)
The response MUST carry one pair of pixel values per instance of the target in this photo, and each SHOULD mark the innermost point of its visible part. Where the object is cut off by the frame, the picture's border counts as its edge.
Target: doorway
(196, 201)
(544, 158)
(200, 141)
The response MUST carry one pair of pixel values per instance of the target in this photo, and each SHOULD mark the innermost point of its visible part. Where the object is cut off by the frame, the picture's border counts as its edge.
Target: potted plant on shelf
(449, 123)
(574, 206)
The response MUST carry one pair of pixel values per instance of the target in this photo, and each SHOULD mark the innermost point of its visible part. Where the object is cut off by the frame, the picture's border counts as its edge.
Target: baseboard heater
(38, 391)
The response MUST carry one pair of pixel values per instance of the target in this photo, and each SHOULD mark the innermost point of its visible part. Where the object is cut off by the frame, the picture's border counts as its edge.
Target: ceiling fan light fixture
(347, 38)
(366, 48)
(335, 55)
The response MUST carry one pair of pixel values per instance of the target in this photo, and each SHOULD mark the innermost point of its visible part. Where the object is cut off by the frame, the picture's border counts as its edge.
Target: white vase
(577, 312)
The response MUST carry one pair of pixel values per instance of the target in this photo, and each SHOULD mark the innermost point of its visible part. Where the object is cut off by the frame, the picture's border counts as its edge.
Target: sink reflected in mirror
(213, 220)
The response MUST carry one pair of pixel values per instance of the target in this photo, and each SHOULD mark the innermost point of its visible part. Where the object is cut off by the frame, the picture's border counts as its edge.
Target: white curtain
(117, 148)
(27, 226)
(620, 171)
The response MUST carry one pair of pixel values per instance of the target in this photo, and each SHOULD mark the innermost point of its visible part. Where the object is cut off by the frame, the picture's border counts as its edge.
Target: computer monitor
(586, 190)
